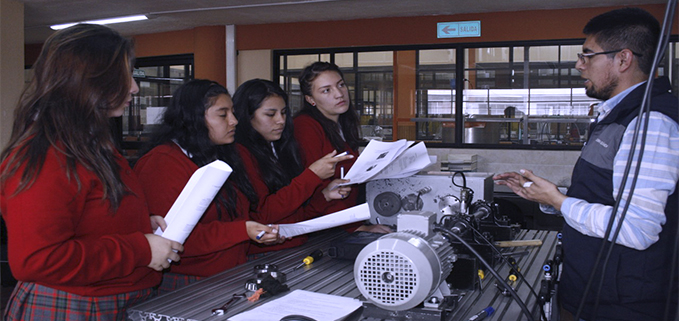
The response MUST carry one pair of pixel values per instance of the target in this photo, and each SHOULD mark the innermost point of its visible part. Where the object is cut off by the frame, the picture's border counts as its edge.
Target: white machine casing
(430, 192)
(400, 270)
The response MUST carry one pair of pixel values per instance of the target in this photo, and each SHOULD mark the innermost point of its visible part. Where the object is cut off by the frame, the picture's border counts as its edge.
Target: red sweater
(287, 205)
(66, 238)
(314, 144)
(214, 245)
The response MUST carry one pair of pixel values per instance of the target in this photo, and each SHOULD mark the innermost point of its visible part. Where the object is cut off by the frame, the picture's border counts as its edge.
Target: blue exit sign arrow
(458, 29)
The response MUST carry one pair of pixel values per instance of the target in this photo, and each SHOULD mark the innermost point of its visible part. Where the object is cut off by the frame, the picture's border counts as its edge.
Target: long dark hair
(348, 122)
(184, 123)
(277, 172)
(83, 72)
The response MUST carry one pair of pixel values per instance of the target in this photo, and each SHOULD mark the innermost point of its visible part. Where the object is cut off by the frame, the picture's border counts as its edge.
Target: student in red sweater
(273, 161)
(328, 122)
(198, 127)
(79, 233)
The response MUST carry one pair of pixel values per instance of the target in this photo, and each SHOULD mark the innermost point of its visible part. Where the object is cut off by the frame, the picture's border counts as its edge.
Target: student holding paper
(79, 235)
(328, 122)
(198, 127)
(273, 161)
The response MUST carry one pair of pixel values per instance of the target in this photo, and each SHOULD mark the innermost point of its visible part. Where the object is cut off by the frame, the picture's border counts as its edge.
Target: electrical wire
(646, 103)
(464, 179)
(518, 273)
(662, 46)
(463, 187)
(675, 257)
(513, 293)
(644, 116)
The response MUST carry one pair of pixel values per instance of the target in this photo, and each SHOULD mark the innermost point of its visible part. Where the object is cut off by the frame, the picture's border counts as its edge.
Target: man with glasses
(637, 282)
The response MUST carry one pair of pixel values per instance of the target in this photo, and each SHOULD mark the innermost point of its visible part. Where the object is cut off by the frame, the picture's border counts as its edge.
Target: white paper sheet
(346, 216)
(191, 203)
(380, 160)
(375, 157)
(319, 306)
(411, 161)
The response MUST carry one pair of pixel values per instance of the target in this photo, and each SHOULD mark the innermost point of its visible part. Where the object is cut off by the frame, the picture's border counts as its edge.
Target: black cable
(463, 187)
(643, 116)
(464, 179)
(662, 46)
(518, 273)
(646, 106)
(515, 295)
(675, 257)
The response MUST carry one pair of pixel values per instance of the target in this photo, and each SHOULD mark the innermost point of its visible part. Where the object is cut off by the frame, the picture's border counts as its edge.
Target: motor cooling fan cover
(398, 271)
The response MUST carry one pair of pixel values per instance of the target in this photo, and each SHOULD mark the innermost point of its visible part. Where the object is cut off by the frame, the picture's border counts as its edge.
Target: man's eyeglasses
(583, 56)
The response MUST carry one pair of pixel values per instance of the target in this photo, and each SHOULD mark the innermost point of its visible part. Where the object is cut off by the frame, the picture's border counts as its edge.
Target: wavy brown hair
(83, 72)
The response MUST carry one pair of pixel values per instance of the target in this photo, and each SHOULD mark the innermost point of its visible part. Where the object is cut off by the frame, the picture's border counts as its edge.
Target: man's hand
(531, 187)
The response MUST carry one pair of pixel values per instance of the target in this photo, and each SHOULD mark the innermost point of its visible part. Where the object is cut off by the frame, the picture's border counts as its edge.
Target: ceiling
(168, 15)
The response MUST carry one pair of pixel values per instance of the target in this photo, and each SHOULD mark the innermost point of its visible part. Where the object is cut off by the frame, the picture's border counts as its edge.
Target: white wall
(11, 63)
(254, 64)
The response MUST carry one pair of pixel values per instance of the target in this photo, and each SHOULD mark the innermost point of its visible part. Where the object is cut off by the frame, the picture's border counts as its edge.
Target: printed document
(324, 307)
(409, 163)
(346, 216)
(380, 160)
(194, 199)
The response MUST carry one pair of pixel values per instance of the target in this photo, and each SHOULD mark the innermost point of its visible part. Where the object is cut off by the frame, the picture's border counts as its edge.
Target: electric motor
(400, 270)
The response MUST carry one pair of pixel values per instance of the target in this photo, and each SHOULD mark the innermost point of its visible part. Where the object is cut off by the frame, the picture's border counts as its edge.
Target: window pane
(301, 61)
(570, 53)
(437, 57)
(374, 99)
(177, 71)
(435, 95)
(518, 54)
(377, 58)
(155, 71)
(345, 60)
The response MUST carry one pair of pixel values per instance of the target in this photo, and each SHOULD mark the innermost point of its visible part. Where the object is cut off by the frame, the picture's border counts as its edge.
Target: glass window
(376, 58)
(375, 94)
(518, 94)
(345, 60)
(157, 78)
(436, 81)
(300, 61)
(532, 96)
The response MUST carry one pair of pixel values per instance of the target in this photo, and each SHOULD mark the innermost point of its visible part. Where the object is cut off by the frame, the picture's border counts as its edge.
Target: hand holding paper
(194, 199)
(349, 215)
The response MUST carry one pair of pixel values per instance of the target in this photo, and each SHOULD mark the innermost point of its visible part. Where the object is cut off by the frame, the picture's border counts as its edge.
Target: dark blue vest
(636, 284)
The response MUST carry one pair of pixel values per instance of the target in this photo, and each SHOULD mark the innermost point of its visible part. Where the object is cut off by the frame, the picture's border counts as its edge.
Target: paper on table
(376, 156)
(191, 203)
(325, 307)
(346, 216)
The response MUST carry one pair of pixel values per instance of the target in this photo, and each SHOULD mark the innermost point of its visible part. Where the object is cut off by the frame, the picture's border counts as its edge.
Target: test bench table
(336, 276)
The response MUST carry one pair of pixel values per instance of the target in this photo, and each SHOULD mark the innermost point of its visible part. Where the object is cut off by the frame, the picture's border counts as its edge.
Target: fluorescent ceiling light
(102, 21)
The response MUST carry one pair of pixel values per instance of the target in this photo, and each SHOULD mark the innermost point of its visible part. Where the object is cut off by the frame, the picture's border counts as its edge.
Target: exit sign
(458, 29)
